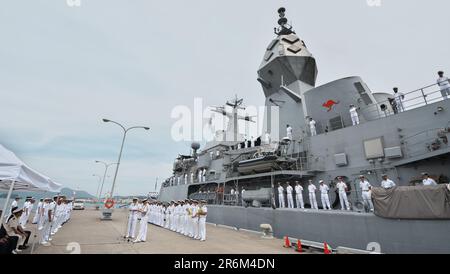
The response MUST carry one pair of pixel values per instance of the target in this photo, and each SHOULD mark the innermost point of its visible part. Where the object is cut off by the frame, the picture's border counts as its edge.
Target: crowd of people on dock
(50, 215)
(187, 217)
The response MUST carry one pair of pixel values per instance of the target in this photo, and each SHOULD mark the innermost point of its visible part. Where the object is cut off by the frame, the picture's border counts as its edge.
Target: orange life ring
(109, 203)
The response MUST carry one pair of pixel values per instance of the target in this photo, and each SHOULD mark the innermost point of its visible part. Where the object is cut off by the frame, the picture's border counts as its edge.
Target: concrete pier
(85, 233)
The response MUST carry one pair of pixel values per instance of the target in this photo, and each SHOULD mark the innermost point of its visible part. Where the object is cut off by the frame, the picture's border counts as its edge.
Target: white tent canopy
(16, 175)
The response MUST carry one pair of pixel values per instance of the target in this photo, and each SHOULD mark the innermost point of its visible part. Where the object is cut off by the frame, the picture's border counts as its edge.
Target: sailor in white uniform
(312, 195)
(195, 220)
(189, 227)
(399, 97)
(267, 138)
(290, 198)
(299, 195)
(171, 215)
(289, 132)
(354, 115)
(14, 203)
(202, 213)
(312, 127)
(186, 217)
(342, 190)
(444, 84)
(387, 183)
(281, 196)
(143, 224)
(427, 181)
(38, 213)
(27, 207)
(366, 188)
(47, 216)
(181, 212)
(133, 209)
(324, 189)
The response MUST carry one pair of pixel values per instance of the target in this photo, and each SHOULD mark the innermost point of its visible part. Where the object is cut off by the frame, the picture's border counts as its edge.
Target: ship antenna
(284, 28)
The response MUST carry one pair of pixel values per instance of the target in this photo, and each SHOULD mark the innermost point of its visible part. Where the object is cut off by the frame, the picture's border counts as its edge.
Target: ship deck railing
(412, 100)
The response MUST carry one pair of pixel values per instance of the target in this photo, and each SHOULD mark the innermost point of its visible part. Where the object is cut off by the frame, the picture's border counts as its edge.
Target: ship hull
(347, 229)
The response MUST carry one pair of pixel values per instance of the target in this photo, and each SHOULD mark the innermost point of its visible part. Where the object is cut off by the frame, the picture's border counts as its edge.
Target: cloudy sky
(63, 69)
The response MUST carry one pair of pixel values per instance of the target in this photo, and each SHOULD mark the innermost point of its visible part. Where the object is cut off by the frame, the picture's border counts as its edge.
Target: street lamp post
(99, 181)
(107, 216)
(104, 176)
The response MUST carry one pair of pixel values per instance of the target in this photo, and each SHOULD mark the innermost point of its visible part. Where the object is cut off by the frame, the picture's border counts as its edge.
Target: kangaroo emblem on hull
(330, 104)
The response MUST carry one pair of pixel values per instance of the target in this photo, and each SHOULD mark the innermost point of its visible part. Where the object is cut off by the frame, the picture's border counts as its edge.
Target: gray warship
(401, 141)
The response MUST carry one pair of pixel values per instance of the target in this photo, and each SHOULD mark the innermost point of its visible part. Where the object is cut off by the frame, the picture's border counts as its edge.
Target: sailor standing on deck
(47, 216)
(267, 138)
(281, 196)
(195, 220)
(299, 195)
(399, 97)
(427, 181)
(312, 127)
(132, 218)
(14, 203)
(181, 217)
(171, 207)
(342, 189)
(312, 195)
(289, 132)
(202, 212)
(27, 208)
(324, 189)
(366, 195)
(354, 115)
(444, 84)
(186, 217)
(290, 198)
(143, 211)
(387, 183)
(38, 213)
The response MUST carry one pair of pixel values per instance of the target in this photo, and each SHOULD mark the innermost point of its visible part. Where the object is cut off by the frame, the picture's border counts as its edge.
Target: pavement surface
(85, 233)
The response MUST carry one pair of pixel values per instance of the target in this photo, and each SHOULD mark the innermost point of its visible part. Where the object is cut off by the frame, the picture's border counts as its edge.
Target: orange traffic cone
(326, 248)
(299, 247)
(287, 243)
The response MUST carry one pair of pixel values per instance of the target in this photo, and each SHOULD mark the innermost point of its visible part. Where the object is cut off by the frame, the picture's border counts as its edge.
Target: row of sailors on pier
(49, 217)
(341, 186)
(187, 217)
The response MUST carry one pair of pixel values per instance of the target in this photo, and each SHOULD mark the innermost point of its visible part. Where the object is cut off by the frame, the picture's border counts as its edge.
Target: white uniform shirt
(312, 124)
(39, 207)
(289, 132)
(145, 210)
(298, 189)
(429, 182)
(26, 207)
(194, 210)
(132, 208)
(280, 190)
(312, 188)
(267, 138)
(443, 83)
(205, 210)
(387, 183)
(324, 189)
(353, 112)
(14, 204)
(341, 186)
(289, 190)
(365, 186)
